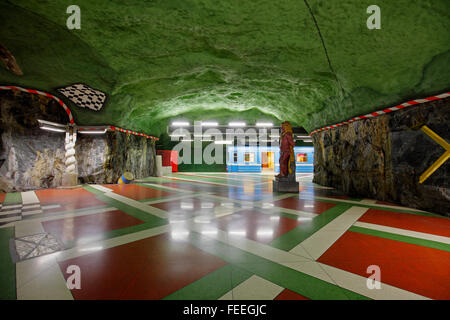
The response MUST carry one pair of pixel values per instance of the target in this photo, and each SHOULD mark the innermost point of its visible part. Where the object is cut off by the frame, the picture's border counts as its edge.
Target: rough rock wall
(29, 157)
(383, 157)
(32, 158)
(103, 159)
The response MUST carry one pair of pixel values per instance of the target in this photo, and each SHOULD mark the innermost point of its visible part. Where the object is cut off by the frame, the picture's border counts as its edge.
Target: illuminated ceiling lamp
(209, 124)
(180, 124)
(264, 124)
(223, 142)
(236, 124)
(52, 126)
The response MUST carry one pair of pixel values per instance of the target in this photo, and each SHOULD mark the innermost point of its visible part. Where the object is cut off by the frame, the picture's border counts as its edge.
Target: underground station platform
(199, 159)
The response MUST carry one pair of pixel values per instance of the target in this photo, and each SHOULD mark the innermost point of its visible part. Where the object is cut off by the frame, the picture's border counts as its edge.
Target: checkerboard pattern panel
(84, 96)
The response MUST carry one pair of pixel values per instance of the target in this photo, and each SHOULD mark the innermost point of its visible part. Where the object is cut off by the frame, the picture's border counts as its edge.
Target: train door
(268, 161)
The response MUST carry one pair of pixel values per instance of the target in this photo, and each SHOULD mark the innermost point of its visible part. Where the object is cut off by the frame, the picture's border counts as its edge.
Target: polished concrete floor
(217, 236)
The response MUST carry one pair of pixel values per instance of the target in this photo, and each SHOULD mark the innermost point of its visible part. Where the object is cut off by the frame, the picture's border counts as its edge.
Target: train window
(302, 157)
(249, 157)
(235, 157)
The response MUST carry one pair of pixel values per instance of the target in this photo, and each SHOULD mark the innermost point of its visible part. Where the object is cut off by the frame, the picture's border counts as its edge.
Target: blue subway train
(266, 159)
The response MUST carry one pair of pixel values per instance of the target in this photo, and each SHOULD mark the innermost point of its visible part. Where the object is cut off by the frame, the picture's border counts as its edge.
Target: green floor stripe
(7, 267)
(155, 187)
(63, 212)
(402, 238)
(12, 198)
(92, 190)
(329, 200)
(109, 234)
(212, 286)
(285, 277)
(154, 221)
(209, 179)
(293, 237)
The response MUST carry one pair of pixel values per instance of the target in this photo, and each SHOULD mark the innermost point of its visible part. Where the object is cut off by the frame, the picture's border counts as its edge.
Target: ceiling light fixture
(236, 124)
(264, 124)
(180, 124)
(93, 131)
(209, 124)
(53, 129)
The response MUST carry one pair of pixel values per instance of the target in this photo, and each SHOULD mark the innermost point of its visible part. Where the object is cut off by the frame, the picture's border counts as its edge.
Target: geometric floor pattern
(35, 246)
(219, 236)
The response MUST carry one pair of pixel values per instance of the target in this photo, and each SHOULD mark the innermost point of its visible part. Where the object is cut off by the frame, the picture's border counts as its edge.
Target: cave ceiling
(311, 62)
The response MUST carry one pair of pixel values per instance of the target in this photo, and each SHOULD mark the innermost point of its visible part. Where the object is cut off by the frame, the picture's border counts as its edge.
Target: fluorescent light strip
(93, 131)
(180, 124)
(209, 124)
(178, 135)
(236, 124)
(223, 142)
(53, 129)
(264, 124)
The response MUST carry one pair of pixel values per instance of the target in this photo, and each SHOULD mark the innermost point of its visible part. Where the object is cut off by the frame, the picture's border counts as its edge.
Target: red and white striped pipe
(384, 111)
(66, 108)
(61, 103)
(113, 128)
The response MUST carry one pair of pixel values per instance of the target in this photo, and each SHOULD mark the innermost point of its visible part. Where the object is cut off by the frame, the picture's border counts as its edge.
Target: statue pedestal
(285, 185)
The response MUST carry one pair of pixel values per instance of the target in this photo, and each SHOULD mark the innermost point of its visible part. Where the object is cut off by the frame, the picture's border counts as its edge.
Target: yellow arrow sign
(439, 162)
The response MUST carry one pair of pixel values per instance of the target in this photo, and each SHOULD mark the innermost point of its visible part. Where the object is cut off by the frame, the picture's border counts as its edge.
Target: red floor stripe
(89, 226)
(151, 268)
(70, 199)
(414, 268)
(287, 294)
(432, 225)
(137, 192)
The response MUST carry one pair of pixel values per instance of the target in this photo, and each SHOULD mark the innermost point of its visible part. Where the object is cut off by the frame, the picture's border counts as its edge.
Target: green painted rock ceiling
(231, 59)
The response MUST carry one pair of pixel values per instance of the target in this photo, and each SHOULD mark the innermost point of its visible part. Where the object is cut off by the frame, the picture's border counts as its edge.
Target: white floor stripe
(101, 188)
(321, 240)
(11, 219)
(28, 213)
(170, 198)
(358, 284)
(29, 197)
(139, 205)
(254, 288)
(358, 202)
(11, 206)
(27, 228)
(52, 206)
(30, 206)
(197, 181)
(403, 232)
(240, 241)
(41, 279)
(168, 188)
(4, 213)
